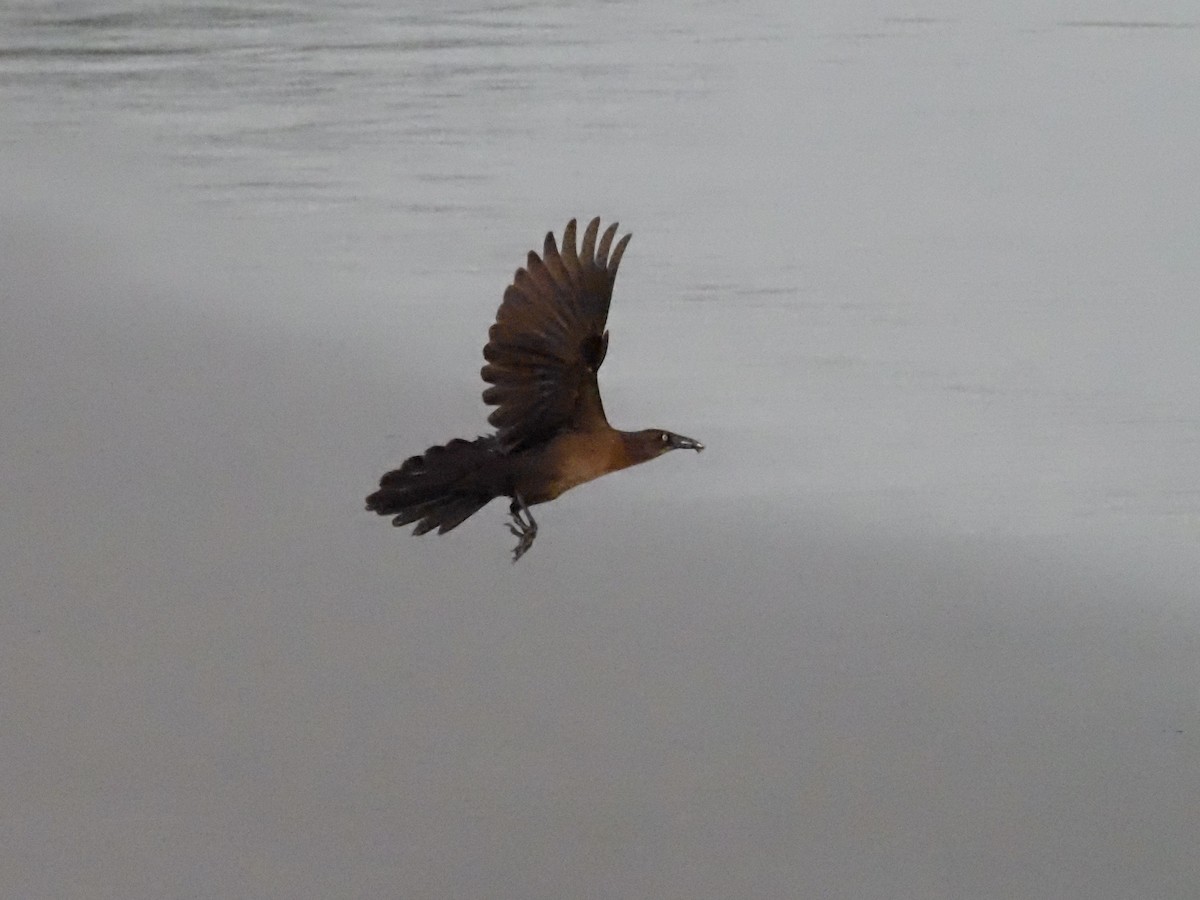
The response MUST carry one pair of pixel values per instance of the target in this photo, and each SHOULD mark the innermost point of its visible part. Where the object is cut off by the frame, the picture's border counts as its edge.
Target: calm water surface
(943, 254)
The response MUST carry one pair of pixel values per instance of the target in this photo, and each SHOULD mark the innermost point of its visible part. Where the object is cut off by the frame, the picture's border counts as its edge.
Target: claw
(524, 529)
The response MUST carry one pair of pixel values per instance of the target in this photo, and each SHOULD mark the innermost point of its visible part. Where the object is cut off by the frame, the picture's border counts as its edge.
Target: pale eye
(664, 437)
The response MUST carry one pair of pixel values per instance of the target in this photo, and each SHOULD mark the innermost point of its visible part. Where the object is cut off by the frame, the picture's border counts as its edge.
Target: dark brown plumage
(542, 355)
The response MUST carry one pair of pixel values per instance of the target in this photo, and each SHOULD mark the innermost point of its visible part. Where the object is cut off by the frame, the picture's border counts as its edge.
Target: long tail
(435, 489)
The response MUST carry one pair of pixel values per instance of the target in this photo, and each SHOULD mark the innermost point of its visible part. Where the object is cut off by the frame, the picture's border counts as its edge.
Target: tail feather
(435, 489)
(452, 513)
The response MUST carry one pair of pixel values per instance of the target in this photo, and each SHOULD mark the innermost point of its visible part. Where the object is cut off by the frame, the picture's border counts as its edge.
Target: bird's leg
(524, 528)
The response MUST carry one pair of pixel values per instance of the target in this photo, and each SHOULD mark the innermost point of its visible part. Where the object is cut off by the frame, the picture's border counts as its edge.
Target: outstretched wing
(549, 339)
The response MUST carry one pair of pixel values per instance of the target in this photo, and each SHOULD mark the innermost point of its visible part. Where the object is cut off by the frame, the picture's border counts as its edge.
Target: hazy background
(922, 621)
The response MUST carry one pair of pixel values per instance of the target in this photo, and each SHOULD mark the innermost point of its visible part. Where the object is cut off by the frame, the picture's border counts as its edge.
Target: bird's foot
(522, 526)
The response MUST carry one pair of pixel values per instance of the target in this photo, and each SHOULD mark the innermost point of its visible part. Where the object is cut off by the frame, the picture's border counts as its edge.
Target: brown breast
(575, 457)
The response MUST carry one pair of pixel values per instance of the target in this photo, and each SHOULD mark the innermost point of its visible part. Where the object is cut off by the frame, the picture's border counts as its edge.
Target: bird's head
(653, 442)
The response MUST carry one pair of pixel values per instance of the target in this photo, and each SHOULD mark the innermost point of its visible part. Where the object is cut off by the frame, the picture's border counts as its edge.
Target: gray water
(922, 620)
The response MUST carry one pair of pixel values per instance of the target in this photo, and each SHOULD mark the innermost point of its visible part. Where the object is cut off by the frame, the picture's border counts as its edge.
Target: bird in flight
(542, 356)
